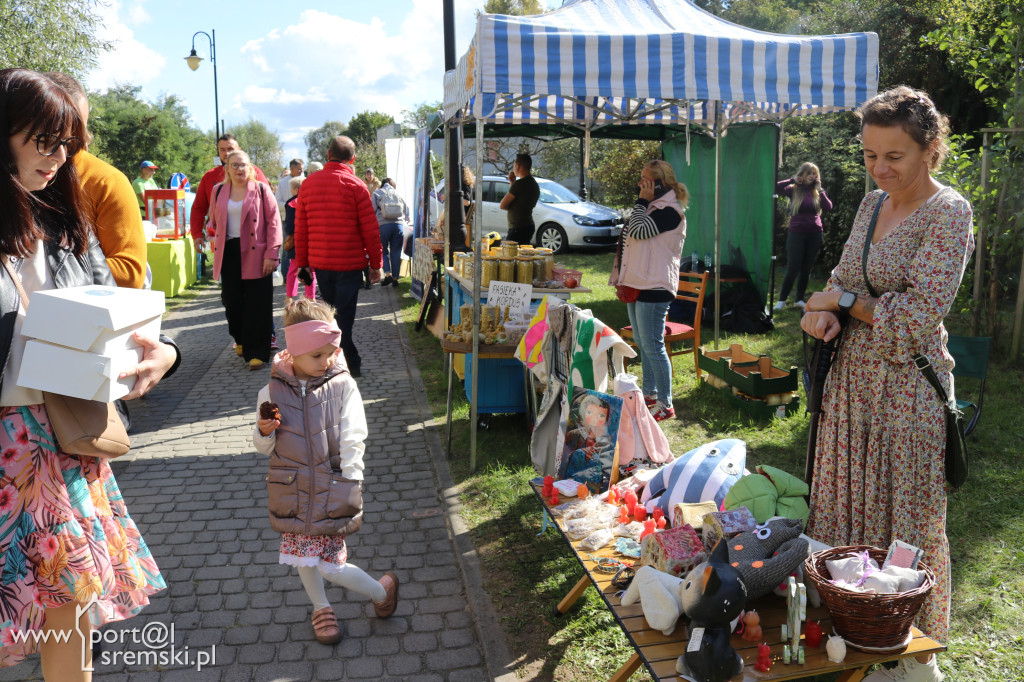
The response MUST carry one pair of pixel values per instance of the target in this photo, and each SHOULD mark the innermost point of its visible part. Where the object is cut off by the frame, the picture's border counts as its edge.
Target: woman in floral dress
(66, 538)
(878, 474)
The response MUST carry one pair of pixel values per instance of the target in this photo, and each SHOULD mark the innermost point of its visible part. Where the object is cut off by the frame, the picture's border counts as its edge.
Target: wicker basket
(873, 622)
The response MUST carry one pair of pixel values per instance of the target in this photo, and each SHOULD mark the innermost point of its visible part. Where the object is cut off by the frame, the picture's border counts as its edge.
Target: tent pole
(718, 230)
(476, 232)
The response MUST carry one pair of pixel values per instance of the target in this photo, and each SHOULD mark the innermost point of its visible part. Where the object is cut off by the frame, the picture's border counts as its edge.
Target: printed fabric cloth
(326, 551)
(879, 468)
(65, 535)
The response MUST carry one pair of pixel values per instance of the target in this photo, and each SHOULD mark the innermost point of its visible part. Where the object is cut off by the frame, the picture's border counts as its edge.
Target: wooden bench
(659, 652)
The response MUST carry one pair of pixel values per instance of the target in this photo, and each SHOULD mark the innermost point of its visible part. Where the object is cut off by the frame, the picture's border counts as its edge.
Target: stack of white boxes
(81, 339)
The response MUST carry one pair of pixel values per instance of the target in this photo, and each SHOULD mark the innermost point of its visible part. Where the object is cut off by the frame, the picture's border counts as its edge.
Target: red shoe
(386, 607)
(649, 400)
(325, 626)
(661, 412)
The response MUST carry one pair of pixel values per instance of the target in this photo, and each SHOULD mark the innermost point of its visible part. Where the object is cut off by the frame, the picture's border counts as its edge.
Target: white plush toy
(659, 596)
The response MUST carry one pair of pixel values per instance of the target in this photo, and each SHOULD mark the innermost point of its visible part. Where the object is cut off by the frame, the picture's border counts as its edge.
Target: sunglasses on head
(47, 144)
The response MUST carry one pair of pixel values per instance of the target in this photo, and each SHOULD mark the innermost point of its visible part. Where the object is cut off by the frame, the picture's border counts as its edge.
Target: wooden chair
(692, 286)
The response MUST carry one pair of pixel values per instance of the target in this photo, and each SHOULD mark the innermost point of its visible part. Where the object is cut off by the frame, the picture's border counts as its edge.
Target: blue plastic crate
(501, 386)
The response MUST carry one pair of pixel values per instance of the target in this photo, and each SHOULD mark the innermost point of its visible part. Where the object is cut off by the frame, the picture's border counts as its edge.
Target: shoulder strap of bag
(929, 373)
(17, 281)
(867, 244)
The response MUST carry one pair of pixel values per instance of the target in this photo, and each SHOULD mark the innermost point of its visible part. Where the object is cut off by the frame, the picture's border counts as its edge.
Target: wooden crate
(751, 374)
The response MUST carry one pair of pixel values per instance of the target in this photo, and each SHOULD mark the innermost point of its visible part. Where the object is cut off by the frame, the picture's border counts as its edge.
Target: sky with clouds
(291, 65)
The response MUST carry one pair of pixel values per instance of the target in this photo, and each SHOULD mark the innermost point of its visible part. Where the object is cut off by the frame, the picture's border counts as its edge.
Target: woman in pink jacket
(246, 231)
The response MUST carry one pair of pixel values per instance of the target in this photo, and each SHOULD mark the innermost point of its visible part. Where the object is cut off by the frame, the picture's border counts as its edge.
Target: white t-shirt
(35, 276)
(234, 219)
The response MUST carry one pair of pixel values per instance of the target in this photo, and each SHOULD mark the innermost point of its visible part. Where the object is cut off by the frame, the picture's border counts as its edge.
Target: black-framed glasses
(47, 144)
(239, 166)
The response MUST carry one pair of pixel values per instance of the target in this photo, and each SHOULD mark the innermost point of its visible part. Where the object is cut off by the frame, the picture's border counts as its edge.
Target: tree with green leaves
(318, 140)
(513, 7)
(262, 145)
(362, 127)
(50, 35)
(128, 130)
(419, 117)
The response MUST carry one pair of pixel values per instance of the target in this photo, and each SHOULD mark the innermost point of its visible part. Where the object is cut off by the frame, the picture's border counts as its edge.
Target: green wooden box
(751, 374)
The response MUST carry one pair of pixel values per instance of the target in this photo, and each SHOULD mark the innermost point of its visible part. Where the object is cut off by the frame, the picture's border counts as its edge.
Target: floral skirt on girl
(65, 535)
(326, 551)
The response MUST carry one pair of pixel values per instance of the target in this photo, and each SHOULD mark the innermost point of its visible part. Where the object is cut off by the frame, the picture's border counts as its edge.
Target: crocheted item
(726, 524)
(674, 551)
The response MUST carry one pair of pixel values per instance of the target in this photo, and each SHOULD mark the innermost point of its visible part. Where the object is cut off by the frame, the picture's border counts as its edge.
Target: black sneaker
(386, 281)
(394, 283)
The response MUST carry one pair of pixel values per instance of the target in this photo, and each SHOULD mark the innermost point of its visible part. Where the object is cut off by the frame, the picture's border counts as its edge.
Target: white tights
(348, 576)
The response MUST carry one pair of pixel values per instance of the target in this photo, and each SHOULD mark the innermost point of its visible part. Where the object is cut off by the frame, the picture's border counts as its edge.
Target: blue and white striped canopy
(595, 62)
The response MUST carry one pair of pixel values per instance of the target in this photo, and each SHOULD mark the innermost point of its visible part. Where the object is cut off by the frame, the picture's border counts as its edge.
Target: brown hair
(914, 111)
(661, 170)
(31, 103)
(304, 310)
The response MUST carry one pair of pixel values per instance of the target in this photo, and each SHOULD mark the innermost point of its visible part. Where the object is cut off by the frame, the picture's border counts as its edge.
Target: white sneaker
(800, 304)
(779, 305)
(908, 670)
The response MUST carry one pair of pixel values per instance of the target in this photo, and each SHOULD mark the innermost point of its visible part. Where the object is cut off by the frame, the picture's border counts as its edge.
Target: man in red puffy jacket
(335, 231)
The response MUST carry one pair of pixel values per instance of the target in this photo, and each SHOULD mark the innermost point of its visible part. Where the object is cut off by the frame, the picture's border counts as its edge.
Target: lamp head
(193, 60)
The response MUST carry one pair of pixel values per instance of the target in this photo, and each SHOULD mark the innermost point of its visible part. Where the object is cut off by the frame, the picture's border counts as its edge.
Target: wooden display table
(659, 652)
(173, 264)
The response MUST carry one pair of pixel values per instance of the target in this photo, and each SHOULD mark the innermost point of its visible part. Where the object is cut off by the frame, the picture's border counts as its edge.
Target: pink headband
(307, 336)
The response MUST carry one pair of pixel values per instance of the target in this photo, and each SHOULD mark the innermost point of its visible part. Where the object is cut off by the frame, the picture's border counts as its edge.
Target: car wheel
(552, 236)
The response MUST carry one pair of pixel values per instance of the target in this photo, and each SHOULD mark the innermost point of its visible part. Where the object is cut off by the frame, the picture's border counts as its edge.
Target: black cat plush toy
(713, 595)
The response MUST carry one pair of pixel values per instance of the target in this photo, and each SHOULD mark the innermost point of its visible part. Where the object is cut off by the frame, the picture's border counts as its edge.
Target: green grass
(526, 575)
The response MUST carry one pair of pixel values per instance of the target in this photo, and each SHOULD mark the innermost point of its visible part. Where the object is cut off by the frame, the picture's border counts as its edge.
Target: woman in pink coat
(246, 230)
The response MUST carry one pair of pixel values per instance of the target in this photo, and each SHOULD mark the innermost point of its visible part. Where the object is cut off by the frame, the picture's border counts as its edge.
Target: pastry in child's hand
(268, 410)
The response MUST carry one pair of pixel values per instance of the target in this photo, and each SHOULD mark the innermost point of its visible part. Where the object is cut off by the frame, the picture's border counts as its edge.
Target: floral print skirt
(326, 551)
(65, 535)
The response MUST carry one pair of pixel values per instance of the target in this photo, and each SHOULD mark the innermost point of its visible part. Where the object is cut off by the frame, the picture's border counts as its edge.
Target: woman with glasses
(247, 238)
(66, 538)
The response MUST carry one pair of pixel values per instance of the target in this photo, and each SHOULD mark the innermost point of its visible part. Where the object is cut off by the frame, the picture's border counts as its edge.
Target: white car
(563, 220)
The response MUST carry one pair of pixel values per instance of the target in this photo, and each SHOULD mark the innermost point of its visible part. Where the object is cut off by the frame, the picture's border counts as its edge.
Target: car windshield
(553, 193)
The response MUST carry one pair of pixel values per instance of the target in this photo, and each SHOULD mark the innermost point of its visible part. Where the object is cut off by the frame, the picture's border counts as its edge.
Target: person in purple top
(807, 201)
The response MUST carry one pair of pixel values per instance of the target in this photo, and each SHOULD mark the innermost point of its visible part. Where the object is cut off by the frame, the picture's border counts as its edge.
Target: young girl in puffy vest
(315, 444)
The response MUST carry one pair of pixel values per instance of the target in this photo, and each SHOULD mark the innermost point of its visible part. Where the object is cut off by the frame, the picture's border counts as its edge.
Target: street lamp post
(194, 60)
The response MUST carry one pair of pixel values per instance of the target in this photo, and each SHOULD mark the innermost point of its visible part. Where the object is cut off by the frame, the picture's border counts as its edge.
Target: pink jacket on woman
(260, 229)
(652, 263)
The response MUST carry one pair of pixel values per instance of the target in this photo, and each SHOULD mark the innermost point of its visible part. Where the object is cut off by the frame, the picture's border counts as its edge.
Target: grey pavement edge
(195, 487)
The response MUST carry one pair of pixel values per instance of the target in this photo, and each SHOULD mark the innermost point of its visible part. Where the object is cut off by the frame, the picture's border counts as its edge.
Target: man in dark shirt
(522, 196)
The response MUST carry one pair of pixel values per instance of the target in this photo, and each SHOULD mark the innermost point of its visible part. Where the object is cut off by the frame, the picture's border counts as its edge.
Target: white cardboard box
(93, 318)
(77, 373)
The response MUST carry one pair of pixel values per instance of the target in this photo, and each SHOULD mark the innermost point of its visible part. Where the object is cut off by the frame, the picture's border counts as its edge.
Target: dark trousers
(521, 234)
(801, 250)
(341, 290)
(248, 305)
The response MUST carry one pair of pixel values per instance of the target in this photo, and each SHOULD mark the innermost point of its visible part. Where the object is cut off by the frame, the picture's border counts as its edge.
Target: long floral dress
(65, 535)
(879, 469)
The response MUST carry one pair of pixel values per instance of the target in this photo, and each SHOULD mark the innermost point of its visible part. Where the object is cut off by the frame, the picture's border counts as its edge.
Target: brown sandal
(325, 625)
(386, 606)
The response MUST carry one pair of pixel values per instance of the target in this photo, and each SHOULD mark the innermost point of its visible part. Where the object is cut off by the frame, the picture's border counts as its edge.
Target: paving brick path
(195, 487)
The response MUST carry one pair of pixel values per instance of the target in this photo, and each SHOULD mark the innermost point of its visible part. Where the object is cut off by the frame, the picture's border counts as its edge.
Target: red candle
(658, 513)
(630, 500)
(648, 528)
(764, 658)
(660, 520)
(639, 513)
(613, 497)
(623, 515)
(553, 500)
(549, 486)
(813, 635)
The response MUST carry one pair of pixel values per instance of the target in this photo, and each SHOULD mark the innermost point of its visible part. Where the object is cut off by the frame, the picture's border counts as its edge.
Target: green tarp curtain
(746, 210)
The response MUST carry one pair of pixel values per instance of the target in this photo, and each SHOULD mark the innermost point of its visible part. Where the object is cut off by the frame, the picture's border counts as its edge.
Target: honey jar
(506, 269)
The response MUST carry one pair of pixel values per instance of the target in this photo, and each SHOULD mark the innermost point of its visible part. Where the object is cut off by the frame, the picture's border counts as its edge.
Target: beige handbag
(81, 427)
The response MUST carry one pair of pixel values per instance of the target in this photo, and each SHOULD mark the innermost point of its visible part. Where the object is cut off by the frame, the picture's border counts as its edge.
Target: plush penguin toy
(712, 595)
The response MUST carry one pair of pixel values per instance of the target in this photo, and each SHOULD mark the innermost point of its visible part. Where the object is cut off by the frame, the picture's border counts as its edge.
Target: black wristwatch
(846, 301)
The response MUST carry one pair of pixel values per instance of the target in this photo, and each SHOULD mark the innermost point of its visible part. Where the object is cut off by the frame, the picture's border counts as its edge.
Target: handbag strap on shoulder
(867, 244)
(17, 280)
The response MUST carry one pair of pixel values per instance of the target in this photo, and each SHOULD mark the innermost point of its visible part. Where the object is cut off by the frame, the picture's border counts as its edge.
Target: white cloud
(130, 61)
(137, 14)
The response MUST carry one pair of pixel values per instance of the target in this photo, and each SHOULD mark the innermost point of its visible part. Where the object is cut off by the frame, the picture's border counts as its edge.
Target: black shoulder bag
(956, 445)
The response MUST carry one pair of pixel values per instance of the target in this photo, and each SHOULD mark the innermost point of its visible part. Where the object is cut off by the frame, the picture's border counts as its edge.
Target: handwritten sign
(515, 296)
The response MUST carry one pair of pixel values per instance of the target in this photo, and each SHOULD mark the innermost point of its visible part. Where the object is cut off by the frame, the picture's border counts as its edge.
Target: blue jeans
(648, 320)
(341, 290)
(391, 238)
